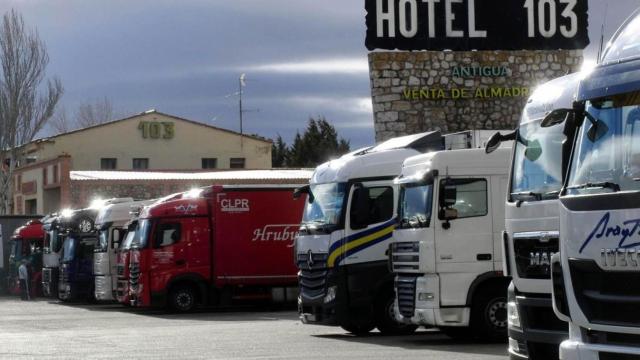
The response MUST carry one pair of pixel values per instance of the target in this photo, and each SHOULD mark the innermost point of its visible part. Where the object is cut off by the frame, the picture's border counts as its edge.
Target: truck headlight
(425, 297)
(513, 315)
(331, 294)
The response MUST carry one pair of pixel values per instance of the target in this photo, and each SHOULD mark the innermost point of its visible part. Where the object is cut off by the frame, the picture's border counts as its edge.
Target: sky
(302, 58)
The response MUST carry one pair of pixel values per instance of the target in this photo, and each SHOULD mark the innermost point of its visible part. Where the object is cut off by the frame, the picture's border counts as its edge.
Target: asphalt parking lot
(44, 329)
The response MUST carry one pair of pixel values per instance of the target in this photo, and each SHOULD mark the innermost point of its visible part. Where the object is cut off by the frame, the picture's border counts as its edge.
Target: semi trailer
(215, 245)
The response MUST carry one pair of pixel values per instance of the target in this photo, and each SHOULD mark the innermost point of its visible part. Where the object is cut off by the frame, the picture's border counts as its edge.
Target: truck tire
(182, 299)
(386, 321)
(489, 314)
(358, 329)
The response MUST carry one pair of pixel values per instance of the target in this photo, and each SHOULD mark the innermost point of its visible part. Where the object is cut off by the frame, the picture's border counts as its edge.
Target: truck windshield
(537, 164)
(103, 241)
(141, 237)
(415, 205)
(16, 249)
(324, 206)
(52, 241)
(610, 161)
(69, 249)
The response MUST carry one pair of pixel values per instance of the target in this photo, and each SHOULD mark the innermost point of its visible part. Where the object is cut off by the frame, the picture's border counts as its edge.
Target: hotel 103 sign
(463, 25)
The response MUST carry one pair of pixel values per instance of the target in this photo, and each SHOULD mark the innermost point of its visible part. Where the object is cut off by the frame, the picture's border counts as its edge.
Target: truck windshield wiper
(604, 184)
(551, 194)
(527, 195)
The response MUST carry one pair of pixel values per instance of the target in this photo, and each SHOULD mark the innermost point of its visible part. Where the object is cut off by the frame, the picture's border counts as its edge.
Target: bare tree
(94, 113)
(89, 113)
(61, 122)
(24, 108)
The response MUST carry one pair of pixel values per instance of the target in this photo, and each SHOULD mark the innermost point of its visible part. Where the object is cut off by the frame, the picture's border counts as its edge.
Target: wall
(432, 90)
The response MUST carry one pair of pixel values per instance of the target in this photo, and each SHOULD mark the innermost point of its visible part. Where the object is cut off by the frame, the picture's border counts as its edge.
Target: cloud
(351, 66)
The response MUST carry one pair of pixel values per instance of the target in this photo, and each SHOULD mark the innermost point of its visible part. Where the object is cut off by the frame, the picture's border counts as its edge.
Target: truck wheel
(489, 314)
(386, 320)
(182, 299)
(358, 330)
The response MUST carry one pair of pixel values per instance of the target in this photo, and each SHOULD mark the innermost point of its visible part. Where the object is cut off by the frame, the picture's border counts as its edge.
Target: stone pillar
(454, 91)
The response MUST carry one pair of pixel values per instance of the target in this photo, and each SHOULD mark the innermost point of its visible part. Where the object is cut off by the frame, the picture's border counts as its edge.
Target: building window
(19, 183)
(209, 163)
(55, 174)
(45, 172)
(108, 163)
(140, 163)
(236, 163)
(31, 207)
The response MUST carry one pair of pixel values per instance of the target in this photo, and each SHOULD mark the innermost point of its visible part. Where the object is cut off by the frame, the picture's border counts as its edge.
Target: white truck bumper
(577, 350)
(428, 311)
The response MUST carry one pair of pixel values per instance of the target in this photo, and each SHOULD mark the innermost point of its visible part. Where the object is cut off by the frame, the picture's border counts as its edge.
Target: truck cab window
(167, 234)
(380, 205)
(471, 197)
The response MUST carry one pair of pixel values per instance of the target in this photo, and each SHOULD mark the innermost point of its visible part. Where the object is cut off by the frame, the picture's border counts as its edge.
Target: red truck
(216, 245)
(121, 293)
(26, 244)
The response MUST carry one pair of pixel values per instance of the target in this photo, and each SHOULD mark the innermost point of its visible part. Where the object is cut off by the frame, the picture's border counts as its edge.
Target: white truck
(596, 274)
(342, 247)
(531, 221)
(110, 224)
(446, 252)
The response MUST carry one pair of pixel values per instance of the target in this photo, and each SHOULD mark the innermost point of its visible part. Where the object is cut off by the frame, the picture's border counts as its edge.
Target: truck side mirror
(303, 190)
(597, 130)
(359, 214)
(116, 237)
(496, 139)
(449, 214)
(555, 117)
(449, 196)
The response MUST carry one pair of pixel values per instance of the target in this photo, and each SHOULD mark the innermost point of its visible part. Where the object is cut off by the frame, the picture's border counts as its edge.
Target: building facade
(148, 141)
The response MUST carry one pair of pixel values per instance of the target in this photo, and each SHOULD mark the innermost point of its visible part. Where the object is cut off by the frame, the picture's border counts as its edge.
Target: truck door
(464, 235)
(369, 226)
(167, 252)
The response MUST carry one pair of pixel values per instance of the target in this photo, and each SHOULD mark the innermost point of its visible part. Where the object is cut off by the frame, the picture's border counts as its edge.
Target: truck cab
(26, 244)
(446, 249)
(531, 221)
(51, 255)
(347, 224)
(121, 293)
(110, 225)
(76, 256)
(595, 275)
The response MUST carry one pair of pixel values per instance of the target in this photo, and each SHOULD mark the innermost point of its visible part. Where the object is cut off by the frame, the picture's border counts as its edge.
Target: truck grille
(406, 295)
(312, 275)
(533, 254)
(606, 297)
(46, 275)
(405, 257)
(134, 275)
(64, 274)
(120, 269)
